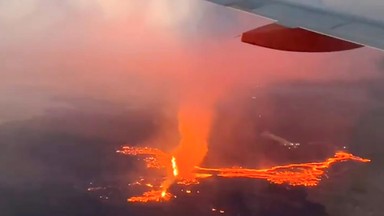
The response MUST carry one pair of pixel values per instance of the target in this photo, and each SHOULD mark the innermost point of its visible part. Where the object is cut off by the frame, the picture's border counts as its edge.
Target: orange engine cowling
(278, 37)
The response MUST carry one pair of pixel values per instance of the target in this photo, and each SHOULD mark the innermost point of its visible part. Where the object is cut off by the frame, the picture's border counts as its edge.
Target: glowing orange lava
(304, 174)
(155, 158)
(152, 196)
(175, 170)
(182, 166)
(194, 121)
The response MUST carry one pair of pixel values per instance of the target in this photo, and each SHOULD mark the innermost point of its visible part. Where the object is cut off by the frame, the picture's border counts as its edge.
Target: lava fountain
(194, 121)
(194, 128)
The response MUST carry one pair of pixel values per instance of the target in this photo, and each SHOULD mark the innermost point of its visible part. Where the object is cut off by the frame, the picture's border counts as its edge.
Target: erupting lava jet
(314, 25)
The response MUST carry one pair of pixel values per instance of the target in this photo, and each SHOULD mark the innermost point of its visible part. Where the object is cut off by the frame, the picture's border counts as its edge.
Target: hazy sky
(125, 50)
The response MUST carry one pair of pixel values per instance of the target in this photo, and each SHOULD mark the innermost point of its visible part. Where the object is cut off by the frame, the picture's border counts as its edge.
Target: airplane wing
(299, 25)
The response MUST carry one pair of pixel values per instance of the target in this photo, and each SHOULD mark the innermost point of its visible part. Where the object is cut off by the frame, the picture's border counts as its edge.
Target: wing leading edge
(339, 26)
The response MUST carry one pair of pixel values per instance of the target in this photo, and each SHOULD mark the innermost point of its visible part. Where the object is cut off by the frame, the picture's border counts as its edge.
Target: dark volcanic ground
(48, 162)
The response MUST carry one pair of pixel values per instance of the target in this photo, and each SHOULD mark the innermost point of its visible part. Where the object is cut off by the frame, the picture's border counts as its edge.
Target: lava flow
(304, 174)
(301, 174)
(155, 158)
(152, 196)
